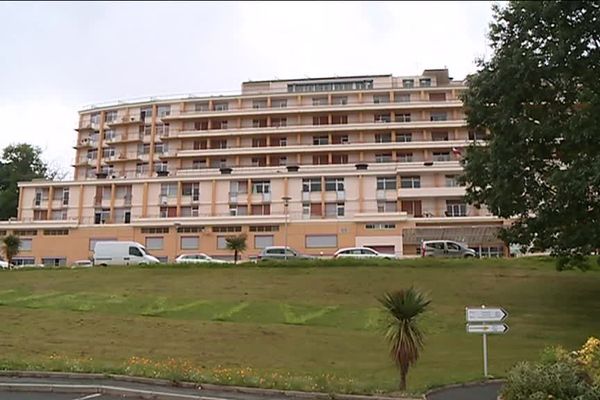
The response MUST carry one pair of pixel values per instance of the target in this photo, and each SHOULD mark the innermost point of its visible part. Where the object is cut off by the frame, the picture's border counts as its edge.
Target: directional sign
(492, 314)
(487, 328)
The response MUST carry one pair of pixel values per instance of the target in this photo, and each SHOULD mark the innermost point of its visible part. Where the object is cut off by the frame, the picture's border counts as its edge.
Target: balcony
(125, 120)
(429, 192)
(309, 128)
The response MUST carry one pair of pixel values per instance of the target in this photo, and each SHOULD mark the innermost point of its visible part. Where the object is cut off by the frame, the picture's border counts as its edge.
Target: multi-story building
(363, 160)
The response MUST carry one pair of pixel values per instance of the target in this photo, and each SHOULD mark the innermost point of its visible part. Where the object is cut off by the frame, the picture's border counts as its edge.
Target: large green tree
(538, 98)
(20, 162)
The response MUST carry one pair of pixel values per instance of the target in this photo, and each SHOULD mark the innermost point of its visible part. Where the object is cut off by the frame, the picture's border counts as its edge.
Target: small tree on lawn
(10, 247)
(237, 244)
(406, 340)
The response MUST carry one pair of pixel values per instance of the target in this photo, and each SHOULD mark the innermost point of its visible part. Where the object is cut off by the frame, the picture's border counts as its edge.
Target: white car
(362, 252)
(3, 264)
(198, 258)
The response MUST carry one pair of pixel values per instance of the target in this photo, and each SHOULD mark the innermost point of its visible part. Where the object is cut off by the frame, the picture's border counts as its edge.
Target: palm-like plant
(406, 340)
(10, 246)
(237, 244)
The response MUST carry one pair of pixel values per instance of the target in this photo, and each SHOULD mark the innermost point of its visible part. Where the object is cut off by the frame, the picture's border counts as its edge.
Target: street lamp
(286, 203)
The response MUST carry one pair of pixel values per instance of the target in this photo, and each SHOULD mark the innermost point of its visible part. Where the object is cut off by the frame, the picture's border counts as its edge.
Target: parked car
(122, 253)
(198, 258)
(280, 252)
(4, 264)
(362, 252)
(445, 248)
(82, 264)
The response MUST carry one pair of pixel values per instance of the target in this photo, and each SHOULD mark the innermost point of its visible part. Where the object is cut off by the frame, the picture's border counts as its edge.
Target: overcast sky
(58, 57)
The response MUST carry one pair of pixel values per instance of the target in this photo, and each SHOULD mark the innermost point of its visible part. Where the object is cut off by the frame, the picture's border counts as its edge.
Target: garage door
(381, 249)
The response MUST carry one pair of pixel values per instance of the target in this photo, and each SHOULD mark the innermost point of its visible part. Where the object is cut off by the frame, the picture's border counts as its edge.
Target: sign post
(486, 322)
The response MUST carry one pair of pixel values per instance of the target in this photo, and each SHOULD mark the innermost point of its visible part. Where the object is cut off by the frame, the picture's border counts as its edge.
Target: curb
(188, 385)
(462, 385)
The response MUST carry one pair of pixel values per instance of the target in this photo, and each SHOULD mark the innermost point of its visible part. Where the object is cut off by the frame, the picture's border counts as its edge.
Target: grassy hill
(308, 328)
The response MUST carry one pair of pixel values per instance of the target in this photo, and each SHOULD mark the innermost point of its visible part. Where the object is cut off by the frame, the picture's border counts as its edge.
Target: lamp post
(286, 203)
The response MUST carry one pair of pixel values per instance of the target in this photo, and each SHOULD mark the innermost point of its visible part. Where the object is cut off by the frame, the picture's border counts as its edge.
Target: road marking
(90, 396)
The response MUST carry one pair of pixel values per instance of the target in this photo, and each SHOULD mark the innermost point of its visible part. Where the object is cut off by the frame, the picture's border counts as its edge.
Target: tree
(20, 162)
(10, 246)
(406, 340)
(237, 244)
(538, 99)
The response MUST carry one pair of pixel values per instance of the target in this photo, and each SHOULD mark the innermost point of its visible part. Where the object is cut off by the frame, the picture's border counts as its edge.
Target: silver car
(279, 253)
(446, 248)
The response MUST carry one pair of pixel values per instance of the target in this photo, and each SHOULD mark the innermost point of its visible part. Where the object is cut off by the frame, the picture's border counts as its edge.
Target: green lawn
(301, 328)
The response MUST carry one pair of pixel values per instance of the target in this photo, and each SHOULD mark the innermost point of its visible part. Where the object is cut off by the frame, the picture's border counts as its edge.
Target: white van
(122, 253)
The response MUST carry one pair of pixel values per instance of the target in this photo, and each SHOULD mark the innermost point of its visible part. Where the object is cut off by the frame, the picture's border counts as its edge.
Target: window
(264, 228)
(135, 251)
(437, 96)
(322, 120)
(320, 159)
(312, 210)
(187, 189)
(386, 183)
(261, 187)
(257, 104)
(221, 106)
(164, 111)
(311, 185)
(160, 148)
(219, 124)
(262, 241)
(404, 137)
(261, 209)
(144, 149)
(382, 118)
(25, 233)
(222, 242)
(65, 196)
(109, 152)
(320, 140)
(383, 137)
(197, 164)
(201, 126)
(383, 157)
(386, 206)
(259, 161)
(145, 112)
(259, 142)
(168, 212)
(402, 97)
(279, 103)
(477, 135)
(54, 261)
(282, 142)
(451, 181)
(238, 209)
(441, 156)
(56, 232)
(410, 182)
(95, 118)
(190, 229)
(259, 123)
(190, 242)
(439, 136)
(218, 144)
(339, 119)
(154, 243)
(319, 101)
(334, 210)
(25, 245)
(330, 86)
(277, 122)
(405, 117)
(92, 154)
(168, 189)
(339, 159)
(339, 100)
(312, 241)
(282, 160)
(381, 226)
(412, 207)
(425, 82)
(57, 215)
(381, 98)
(438, 116)
(201, 107)
(408, 83)
(24, 261)
(154, 230)
(339, 139)
(334, 184)
(109, 134)
(227, 229)
(456, 208)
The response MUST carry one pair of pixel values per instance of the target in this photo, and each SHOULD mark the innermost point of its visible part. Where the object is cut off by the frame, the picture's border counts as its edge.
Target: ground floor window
(321, 241)
(262, 241)
(23, 261)
(54, 261)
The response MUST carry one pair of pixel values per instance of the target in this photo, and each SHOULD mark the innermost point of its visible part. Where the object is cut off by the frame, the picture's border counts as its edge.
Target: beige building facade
(366, 160)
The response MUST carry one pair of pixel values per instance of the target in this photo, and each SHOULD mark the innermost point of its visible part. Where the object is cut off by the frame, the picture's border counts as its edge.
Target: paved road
(54, 396)
(489, 391)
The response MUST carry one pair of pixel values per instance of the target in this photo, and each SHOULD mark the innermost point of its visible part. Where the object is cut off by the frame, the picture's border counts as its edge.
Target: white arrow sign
(492, 314)
(487, 328)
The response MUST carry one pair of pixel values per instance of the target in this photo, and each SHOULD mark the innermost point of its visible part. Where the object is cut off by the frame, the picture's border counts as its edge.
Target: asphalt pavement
(54, 396)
